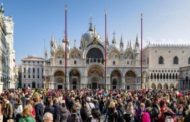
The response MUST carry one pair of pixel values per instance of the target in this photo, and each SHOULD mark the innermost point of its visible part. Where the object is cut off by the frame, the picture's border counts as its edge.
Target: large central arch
(94, 55)
(96, 77)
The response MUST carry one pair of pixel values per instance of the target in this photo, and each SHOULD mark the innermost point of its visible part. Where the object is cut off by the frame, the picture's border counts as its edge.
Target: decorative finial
(74, 43)
(91, 25)
(121, 42)
(1, 8)
(113, 41)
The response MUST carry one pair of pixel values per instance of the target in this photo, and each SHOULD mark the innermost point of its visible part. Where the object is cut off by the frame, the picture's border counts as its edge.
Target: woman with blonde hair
(27, 114)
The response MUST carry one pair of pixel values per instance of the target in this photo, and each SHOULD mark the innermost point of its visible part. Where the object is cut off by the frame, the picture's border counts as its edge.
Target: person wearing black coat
(57, 111)
(39, 108)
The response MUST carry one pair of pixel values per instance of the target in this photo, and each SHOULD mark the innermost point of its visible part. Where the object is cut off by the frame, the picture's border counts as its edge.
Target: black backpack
(120, 117)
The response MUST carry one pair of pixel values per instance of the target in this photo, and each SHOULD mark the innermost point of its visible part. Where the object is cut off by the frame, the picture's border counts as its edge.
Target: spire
(90, 25)
(1, 8)
(114, 40)
(121, 42)
(130, 44)
(74, 43)
(137, 42)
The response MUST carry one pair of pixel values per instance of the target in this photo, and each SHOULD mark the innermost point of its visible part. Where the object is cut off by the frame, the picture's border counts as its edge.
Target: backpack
(120, 117)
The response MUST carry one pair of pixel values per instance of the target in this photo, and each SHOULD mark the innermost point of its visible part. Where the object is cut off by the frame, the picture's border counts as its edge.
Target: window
(38, 70)
(33, 76)
(175, 60)
(28, 76)
(24, 70)
(75, 62)
(189, 60)
(38, 76)
(113, 62)
(161, 60)
(24, 76)
(28, 70)
(33, 70)
(60, 62)
(151, 76)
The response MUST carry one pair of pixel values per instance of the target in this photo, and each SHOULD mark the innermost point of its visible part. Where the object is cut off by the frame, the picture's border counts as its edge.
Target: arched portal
(130, 79)
(59, 79)
(165, 86)
(96, 77)
(115, 79)
(159, 86)
(74, 79)
(172, 86)
(153, 86)
(94, 55)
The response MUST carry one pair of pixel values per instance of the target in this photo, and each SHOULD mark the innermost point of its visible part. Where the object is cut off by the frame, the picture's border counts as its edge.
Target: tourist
(39, 108)
(48, 117)
(27, 114)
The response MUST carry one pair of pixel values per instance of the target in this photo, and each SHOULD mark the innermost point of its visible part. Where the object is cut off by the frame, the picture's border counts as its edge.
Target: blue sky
(165, 21)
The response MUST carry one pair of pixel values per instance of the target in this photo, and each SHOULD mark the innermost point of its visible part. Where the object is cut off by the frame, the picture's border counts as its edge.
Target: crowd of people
(86, 105)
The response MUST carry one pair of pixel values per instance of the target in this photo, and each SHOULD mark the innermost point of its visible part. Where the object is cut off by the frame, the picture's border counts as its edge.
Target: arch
(74, 53)
(164, 76)
(96, 77)
(130, 79)
(153, 86)
(161, 76)
(176, 76)
(170, 76)
(94, 54)
(189, 60)
(159, 86)
(59, 79)
(160, 60)
(59, 53)
(166, 86)
(115, 79)
(151, 76)
(74, 78)
(173, 76)
(154, 75)
(158, 76)
(114, 53)
(175, 60)
(172, 86)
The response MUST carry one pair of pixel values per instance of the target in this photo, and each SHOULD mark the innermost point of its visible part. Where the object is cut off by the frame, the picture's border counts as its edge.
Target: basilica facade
(86, 64)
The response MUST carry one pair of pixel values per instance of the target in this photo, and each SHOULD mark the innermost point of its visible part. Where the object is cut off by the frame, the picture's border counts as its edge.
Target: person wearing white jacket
(18, 109)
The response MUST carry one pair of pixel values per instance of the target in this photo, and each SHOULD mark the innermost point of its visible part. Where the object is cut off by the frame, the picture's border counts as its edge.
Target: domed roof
(89, 36)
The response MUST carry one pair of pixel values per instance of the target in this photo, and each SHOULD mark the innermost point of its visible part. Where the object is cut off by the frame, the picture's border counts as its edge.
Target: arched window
(160, 60)
(154, 76)
(151, 76)
(158, 76)
(189, 60)
(173, 76)
(175, 60)
(176, 76)
(164, 76)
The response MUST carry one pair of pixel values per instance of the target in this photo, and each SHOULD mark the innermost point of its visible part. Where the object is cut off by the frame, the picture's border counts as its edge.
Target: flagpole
(141, 50)
(66, 46)
(105, 47)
